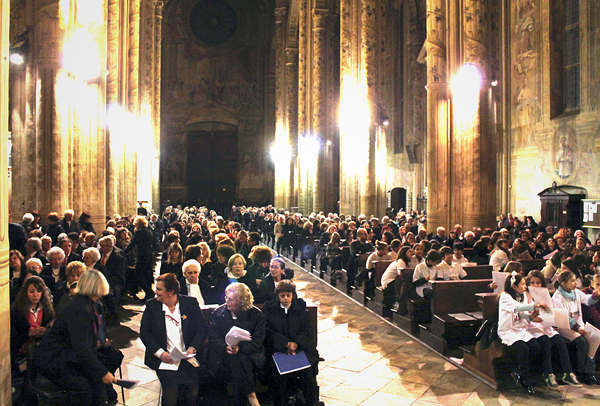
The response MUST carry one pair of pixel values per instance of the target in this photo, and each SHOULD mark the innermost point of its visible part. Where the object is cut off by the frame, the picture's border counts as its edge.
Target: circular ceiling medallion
(213, 22)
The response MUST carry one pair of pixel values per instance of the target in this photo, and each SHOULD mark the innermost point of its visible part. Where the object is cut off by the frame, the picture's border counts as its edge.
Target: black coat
(221, 322)
(114, 269)
(69, 228)
(53, 231)
(17, 237)
(143, 240)
(205, 289)
(153, 330)
(72, 342)
(19, 331)
(294, 326)
(266, 289)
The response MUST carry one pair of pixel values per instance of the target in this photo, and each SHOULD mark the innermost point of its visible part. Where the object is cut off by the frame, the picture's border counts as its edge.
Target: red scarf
(33, 323)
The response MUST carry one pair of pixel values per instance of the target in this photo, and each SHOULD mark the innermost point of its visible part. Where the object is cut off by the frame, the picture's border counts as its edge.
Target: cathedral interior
(464, 108)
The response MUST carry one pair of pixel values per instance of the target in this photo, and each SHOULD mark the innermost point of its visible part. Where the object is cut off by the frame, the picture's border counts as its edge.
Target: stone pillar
(115, 146)
(130, 187)
(322, 183)
(51, 128)
(438, 185)
(348, 94)
(158, 10)
(474, 138)
(369, 75)
(300, 180)
(5, 366)
(291, 119)
(281, 131)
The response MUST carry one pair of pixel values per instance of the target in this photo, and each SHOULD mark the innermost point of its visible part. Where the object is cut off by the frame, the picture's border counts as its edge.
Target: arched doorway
(398, 199)
(211, 162)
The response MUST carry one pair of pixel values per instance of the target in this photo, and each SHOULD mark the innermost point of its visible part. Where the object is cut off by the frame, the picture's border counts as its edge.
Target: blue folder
(290, 363)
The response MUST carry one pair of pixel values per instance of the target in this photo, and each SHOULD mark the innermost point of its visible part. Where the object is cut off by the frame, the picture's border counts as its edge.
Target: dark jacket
(293, 326)
(221, 322)
(72, 342)
(53, 231)
(153, 330)
(19, 332)
(68, 228)
(266, 289)
(205, 289)
(114, 269)
(591, 313)
(143, 240)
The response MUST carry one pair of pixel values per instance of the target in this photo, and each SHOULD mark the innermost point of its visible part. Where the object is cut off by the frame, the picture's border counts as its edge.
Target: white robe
(512, 326)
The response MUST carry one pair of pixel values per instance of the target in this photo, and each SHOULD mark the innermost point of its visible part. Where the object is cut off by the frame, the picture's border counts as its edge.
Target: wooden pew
(359, 294)
(376, 303)
(478, 272)
(405, 319)
(529, 264)
(447, 333)
(481, 361)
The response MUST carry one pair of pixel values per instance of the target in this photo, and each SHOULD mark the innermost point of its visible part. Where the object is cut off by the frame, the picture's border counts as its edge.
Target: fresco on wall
(565, 148)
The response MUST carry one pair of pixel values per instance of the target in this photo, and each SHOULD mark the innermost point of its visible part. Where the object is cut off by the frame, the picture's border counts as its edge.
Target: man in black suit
(112, 265)
(67, 223)
(191, 276)
(65, 244)
(17, 237)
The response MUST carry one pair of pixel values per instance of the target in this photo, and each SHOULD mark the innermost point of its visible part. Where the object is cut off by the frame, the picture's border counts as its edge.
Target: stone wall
(228, 83)
(547, 147)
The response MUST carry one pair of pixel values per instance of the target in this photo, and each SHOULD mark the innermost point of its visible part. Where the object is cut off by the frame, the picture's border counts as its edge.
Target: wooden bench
(405, 319)
(529, 264)
(478, 272)
(359, 294)
(376, 302)
(446, 332)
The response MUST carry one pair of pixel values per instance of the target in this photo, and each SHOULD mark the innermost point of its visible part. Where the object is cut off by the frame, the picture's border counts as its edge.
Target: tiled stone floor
(368, 362)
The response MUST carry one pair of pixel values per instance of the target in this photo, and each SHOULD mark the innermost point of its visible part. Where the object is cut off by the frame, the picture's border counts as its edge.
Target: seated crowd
(207, 260)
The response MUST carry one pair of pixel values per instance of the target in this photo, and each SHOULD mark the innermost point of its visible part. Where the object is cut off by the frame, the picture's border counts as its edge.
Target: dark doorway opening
(211, 163)
(398, 199)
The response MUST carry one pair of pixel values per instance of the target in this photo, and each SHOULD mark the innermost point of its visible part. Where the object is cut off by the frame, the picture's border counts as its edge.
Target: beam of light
(80, 55)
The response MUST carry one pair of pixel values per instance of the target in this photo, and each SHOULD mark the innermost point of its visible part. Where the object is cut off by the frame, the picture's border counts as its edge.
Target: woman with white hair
(237, 363)
(90, 257)
(67, 355)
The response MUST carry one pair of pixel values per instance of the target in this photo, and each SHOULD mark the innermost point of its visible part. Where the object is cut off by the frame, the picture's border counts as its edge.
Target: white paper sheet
(499, 278)
(593, 339)
(477, 315)
(236, 334)
(541, 296)
(177, 355)
(461, 316)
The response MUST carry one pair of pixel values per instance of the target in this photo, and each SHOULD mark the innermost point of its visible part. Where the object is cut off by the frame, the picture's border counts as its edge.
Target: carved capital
(158, 8)
(320, 17)
(280, 13)
(291, 56)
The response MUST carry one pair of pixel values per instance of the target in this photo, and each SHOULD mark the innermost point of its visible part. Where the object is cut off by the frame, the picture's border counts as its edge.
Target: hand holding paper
(235, 335)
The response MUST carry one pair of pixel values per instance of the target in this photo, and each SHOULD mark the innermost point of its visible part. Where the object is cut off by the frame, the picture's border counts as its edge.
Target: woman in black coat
(68, 355)
(143, 240)
(237, 362)
(31, 316)
(289, 331)
(166, 318)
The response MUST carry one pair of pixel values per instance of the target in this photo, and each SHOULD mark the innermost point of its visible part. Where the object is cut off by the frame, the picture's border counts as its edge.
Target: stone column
(158, 10)
(52, 142)
(115, 147)
(281, 131)
(368, 77)
(291, 119)
(5, 366)
(133, 106)
(302, 194)
(348, 92)
(475, 139)
(438, 185)
(322, 183)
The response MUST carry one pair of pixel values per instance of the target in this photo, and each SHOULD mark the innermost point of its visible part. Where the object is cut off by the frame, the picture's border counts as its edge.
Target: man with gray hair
(192, 285)
(26, 222)
(67, 223)
(112, 265)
